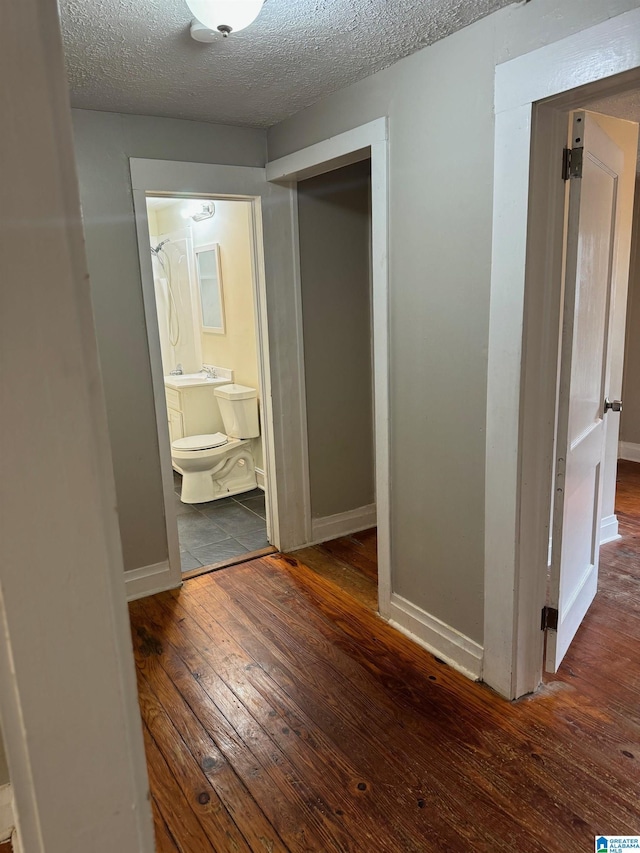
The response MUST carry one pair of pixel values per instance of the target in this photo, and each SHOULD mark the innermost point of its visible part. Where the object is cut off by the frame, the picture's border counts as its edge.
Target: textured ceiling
(623, 105)
(136, 56)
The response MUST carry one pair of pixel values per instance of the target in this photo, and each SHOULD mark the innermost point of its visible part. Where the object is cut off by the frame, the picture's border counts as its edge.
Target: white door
(583, 371)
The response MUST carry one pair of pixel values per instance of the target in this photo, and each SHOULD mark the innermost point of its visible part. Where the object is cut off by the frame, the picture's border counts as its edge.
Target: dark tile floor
(220, 530)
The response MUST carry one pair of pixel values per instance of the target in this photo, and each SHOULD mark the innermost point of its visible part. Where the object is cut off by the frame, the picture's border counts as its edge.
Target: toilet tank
(239, 409)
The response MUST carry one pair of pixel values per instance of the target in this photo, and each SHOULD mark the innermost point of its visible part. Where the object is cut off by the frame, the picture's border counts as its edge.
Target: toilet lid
(200, 442)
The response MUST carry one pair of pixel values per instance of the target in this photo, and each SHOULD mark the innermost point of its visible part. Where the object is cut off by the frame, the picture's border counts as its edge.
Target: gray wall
(4, 770)
(630, 423)
(104, 142)
(335, 270)
(440, 107)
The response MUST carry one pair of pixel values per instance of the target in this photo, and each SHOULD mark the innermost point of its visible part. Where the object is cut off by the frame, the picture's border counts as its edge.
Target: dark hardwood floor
(628, 498)
(351, 562)
(6, 847)
(280, 714)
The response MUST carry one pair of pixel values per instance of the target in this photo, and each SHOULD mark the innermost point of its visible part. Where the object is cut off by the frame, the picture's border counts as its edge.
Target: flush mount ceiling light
(221, 16)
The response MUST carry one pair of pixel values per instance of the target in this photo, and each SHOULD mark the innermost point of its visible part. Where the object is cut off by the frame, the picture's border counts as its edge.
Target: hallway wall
(335, 272)
(4, 770)
(104, 143)
(441, 136)
(630, 423)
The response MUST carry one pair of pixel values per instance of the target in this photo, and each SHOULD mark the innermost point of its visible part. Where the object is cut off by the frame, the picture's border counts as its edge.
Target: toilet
(219, 465)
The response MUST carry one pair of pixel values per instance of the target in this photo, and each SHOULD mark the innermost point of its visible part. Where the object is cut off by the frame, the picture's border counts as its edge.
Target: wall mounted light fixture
(198, 210)
(215, 17)
(206, 211)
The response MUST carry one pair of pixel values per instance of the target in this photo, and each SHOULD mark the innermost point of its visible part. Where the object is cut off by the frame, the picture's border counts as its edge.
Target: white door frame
(368, 140)
(189, 180)
(523, 333)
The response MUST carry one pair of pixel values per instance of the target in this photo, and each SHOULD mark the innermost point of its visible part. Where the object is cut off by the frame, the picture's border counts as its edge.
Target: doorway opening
(349, 538)
(618, 587)
(204, 288)
(599, 177)
(334, 241)
(534, 96)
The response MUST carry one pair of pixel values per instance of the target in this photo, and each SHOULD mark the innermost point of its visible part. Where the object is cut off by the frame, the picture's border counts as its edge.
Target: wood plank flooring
(351, 562)
(628, 497)
(282, 715)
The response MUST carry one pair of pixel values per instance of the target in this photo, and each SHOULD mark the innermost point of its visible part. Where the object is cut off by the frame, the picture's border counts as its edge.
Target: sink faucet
(178, 371)
(210, 371)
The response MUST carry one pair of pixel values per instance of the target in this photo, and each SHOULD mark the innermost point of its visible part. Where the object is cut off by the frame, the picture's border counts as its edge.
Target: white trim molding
(443, 641)
(629, 451)
(148, 580)
(609, 529)
(343, 523)
(523, 334)
(7, 820)
(333, 153)
(16, 842)
(577, 60)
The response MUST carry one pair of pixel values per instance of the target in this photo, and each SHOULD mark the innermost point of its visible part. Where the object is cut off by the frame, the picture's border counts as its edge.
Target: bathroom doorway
(204, 288)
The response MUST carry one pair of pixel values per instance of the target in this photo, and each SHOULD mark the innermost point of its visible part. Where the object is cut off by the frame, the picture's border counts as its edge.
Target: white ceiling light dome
(223, 16)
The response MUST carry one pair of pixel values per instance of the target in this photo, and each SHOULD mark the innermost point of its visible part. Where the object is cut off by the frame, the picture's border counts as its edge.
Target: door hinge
(549, 619)
(572, 163)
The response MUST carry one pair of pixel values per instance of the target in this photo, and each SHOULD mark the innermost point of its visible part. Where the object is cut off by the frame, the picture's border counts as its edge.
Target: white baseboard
(16, 843)
(7, 821)
(148, 580)
(440, 639)
(629, 451)
(609, 529)
(342, 524)
(260, 479)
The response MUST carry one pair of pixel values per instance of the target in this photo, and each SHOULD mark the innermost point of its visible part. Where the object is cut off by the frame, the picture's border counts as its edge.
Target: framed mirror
(209, 277)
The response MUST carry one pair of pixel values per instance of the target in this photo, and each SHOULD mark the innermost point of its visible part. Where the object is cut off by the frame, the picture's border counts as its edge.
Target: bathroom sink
(189, 380)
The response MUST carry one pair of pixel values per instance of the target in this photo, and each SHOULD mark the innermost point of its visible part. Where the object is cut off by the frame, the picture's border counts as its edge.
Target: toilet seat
(200, 442)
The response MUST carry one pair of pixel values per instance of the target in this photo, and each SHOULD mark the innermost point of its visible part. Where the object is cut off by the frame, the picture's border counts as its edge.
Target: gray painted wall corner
(104, 142)
(334, 218)
(4, 768)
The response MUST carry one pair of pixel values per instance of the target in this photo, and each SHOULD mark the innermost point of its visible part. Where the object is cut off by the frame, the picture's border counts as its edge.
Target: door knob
(612, 405)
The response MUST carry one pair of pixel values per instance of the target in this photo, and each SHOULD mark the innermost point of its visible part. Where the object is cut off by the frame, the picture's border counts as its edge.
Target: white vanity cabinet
(193, 411)
(176, 425)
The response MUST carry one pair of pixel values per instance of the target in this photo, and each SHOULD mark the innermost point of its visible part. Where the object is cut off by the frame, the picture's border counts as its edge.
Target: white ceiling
(136, 56)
